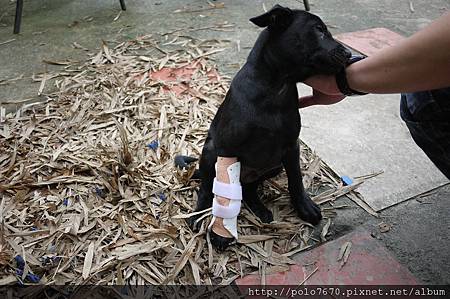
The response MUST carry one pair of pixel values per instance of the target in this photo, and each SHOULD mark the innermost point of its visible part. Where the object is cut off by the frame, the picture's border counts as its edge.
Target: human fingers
(318, 98)
(324, 83)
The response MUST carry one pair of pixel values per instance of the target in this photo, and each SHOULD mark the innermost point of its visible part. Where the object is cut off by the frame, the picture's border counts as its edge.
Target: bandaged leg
(231, 192)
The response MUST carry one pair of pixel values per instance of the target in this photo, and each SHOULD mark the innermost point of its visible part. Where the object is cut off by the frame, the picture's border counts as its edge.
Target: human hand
(325, 91)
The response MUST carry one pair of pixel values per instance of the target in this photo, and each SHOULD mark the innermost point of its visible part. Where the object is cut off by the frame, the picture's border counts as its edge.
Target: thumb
(324, 83)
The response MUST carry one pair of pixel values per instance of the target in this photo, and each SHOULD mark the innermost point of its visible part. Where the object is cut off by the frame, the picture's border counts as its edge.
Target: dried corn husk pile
(89, 191)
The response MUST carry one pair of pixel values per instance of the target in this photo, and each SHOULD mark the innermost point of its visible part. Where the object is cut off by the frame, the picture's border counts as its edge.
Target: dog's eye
(320, 29)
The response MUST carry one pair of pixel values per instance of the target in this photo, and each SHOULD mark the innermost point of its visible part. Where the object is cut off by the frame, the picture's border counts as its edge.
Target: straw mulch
(89, 190)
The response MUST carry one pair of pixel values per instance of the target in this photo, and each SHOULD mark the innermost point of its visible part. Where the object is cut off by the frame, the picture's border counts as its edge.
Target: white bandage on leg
(231, 191)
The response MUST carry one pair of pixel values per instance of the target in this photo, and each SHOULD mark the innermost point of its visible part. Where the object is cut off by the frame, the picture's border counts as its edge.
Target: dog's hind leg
(302, 203)
(254, 203)
(206, 172)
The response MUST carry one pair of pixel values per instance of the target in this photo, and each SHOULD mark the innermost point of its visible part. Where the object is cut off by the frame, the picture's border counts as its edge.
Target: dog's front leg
(226, 205)
(306, 209)
(254, 203)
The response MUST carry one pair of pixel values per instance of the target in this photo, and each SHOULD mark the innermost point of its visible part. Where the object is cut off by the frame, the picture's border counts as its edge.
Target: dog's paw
(265, 215)
(183, 162)
(193, 223)
(308, 211)
(219, 242)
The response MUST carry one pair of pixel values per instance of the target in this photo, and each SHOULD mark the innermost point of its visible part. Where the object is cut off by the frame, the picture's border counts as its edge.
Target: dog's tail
(183, 162)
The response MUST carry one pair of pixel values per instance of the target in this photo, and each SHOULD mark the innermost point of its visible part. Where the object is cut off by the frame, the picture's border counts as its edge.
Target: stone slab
(369, 263)
(369, 41)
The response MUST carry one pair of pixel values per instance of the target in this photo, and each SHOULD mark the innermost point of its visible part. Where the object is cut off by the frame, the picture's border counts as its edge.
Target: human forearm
(420, 62)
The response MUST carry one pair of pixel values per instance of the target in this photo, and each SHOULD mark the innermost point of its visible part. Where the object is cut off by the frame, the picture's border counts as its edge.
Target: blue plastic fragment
(34, 228)
(19, 271)
(162, 196)
(49, 260)
(346, 180)
(45, 260)
(66, 202)
(29, 278)
(100, 192)
(20, 262)
(32, 278)
(153, 145)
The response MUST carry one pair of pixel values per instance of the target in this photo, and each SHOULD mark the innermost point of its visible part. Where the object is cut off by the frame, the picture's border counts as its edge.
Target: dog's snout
(340, 54)
(347, 53)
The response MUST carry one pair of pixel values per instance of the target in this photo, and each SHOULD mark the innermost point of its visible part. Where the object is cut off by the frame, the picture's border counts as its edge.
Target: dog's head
(300, 43)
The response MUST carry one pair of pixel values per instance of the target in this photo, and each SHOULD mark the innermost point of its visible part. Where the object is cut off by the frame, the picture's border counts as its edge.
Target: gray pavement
(372, 138)
(419, 233)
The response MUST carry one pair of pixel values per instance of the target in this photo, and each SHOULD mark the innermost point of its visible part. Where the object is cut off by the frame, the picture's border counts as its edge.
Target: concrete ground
(418, 237)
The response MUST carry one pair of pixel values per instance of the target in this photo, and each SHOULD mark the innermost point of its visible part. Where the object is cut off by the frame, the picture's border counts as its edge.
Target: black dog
(259, 122)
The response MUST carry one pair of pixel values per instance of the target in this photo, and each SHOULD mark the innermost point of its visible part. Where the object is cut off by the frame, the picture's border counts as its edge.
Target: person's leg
(427, 116)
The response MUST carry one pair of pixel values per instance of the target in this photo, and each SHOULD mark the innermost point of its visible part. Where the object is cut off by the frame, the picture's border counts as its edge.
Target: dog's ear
(278, 17)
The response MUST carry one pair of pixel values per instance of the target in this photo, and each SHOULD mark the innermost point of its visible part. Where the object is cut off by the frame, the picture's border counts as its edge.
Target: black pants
(427, 115)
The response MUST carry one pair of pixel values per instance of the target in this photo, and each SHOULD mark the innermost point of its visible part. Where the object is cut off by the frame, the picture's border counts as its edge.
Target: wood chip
(384, 227)
(344, 253)
(325, 229)
(7, 41)
(88, 260)
(308, 276)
